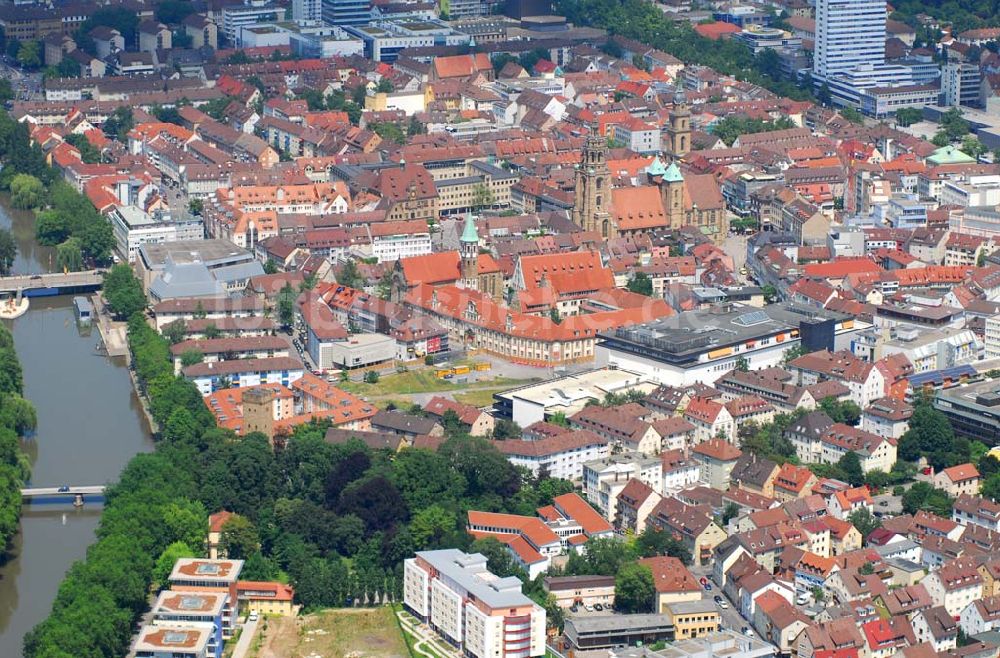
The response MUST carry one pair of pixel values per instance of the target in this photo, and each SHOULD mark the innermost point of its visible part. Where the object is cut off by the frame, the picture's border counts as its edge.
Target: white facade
(603, 480)
(133, 228)
(403, 245)
(564, 464)
(484, 615)
(954, 599)
(849, 33)
(681, 477)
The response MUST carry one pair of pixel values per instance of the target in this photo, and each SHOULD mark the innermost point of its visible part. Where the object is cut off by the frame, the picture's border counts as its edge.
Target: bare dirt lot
(343, 633)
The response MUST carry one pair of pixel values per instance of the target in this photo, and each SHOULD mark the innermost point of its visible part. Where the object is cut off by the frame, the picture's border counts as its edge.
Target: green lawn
(426, 381)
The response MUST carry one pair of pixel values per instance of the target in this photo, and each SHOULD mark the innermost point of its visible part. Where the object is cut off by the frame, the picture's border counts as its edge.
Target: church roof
(673, 174)
(656, 167)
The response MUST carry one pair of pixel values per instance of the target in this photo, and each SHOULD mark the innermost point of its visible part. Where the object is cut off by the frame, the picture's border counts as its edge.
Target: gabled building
(955, 585)
(716, 458)
(935, 627)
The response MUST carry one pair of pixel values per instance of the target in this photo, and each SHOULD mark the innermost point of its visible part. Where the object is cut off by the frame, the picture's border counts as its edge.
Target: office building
(307, 10)
(702, 345)
(849, 33)
(960, 82)
(251, 12)
(973, 410)
(346, 12)
(157, 641)
(477, 611)
(134, 227)
(202, 608)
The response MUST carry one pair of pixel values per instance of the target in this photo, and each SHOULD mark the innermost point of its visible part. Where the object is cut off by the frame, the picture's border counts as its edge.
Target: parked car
(588, 608)
(717, 598)
(708, 587)
(598, 607)
(723, 604)
(64, 488)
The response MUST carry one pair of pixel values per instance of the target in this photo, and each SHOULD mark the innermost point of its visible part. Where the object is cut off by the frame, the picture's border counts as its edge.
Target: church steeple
(468, 251)
(679, 131)
(593, 188)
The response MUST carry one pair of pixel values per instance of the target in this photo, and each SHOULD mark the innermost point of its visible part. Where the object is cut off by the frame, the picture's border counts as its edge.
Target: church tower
(468, 251)
(672, 191)
(679, 131)
(593, 188)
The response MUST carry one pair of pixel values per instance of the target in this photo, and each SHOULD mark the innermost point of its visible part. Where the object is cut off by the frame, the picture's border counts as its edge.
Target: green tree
(850, 468)
(852, 115)
(653, 541)
(482, 196)
(286, 305)
(432, 527)
(864, 521)
(165, 563)
(908, 116)
(922, 495)
(349, 276)
(641, 283)
(88, 152)
(372, 377)
(196, 207)
(841, 411)
(239, 538)
(383, 289)
(634, 589)
(191, 357)
(389, 131)
(175, 331)
(770, 294)
(123, 292)
(69, 255)
(954, 124)
(941, 138)
(929, 435)
(8, 252)
(119, 124)
(26, 192)
(972, 147)
(29, 54)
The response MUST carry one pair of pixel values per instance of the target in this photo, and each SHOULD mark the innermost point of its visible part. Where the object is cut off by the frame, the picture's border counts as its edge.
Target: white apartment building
(604, 479)
(484, 615)
(394, 240)
(955, 585)
(561, 456)
(162, 641)
(991, 337)
(849, 34)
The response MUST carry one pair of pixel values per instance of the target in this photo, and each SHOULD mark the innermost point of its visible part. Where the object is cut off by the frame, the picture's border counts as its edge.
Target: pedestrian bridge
(56, 283)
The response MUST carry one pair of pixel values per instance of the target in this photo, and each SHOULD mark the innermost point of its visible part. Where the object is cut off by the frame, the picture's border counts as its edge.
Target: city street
(731, 617)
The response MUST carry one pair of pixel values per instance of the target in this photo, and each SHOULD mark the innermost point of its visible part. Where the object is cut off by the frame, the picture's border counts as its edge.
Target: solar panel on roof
(752, 318)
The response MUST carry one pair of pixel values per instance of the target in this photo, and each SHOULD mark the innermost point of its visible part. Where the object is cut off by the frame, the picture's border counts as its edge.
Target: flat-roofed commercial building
(973, 410)
(608, 631)
(570, 394)
(700, 346)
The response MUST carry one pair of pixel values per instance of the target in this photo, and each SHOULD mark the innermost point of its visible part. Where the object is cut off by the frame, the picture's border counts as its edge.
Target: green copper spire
(673, 174)
(469, 233)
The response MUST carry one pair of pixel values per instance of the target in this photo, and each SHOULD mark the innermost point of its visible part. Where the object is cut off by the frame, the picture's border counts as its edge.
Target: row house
(621, 426)
(876, 453)
(560, 456)
(865, 381)
(955, 585)
(976, 510)
(635, 503)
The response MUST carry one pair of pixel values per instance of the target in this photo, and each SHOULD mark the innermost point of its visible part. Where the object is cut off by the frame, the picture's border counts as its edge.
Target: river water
(89, 426)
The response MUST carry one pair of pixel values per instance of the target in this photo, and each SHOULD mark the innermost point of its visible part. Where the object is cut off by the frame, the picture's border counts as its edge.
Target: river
(89, 426)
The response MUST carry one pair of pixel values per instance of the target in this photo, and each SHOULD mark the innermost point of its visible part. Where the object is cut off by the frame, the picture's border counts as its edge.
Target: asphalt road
(246, 637)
